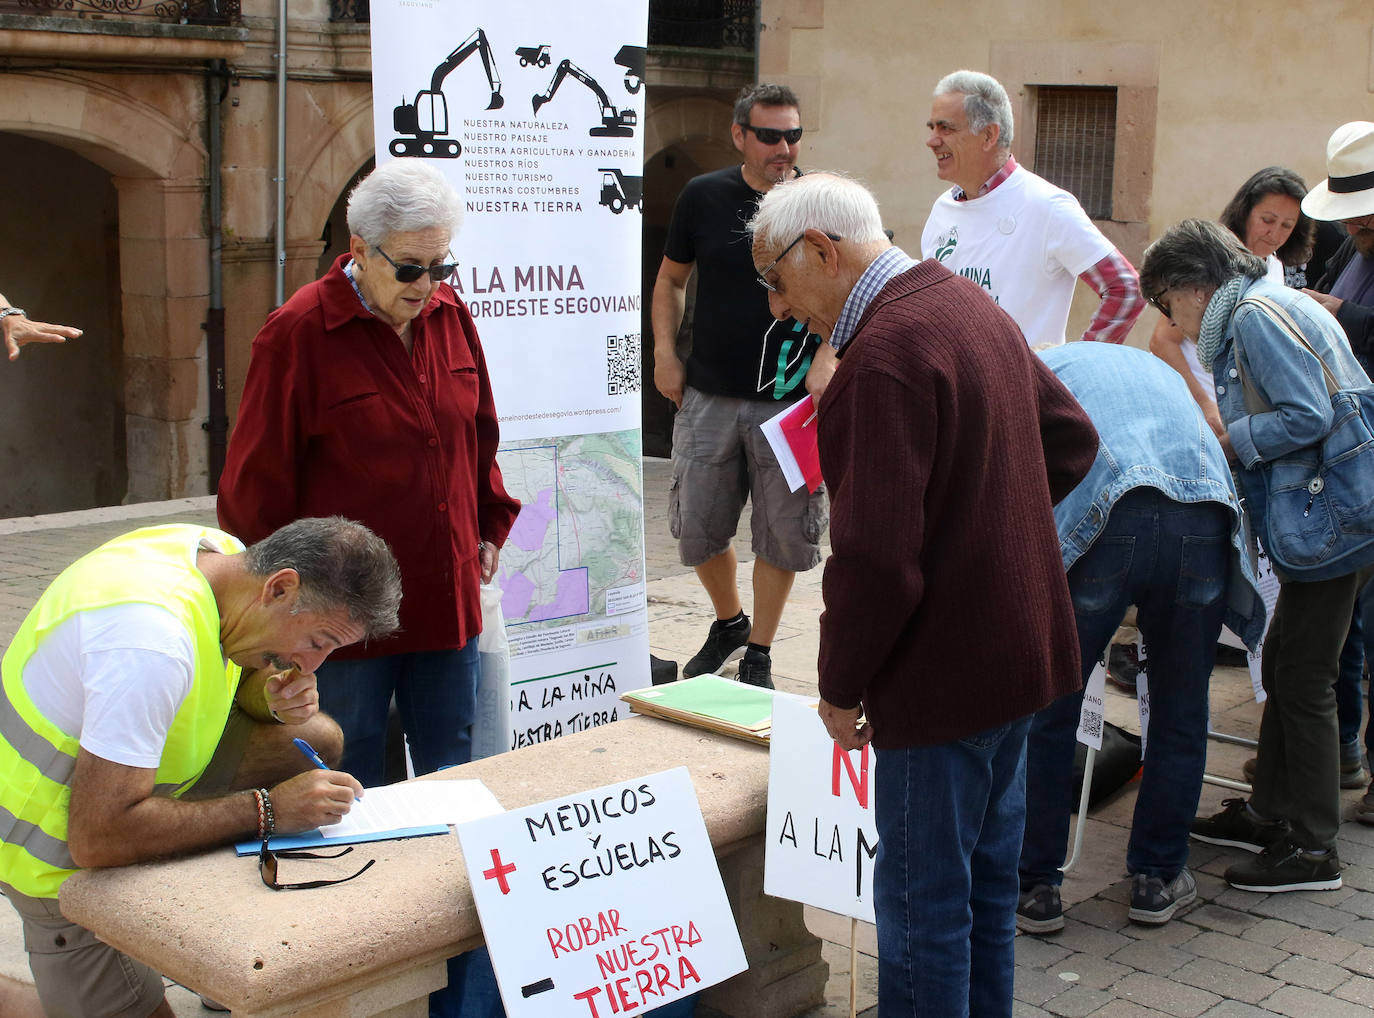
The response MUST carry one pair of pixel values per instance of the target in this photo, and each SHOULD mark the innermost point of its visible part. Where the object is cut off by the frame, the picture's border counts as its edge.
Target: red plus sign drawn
(499, 870)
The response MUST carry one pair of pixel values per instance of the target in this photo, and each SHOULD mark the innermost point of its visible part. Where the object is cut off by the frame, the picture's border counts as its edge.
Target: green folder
(711, 697)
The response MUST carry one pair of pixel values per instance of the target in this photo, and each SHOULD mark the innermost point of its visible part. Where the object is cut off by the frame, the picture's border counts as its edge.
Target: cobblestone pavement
(1232, 954)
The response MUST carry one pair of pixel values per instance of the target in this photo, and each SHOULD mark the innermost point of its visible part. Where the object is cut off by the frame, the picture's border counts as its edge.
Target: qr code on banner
(1091, 725)
(622, 364)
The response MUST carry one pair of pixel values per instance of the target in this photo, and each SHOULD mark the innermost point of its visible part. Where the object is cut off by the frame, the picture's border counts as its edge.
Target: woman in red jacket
(367, 397)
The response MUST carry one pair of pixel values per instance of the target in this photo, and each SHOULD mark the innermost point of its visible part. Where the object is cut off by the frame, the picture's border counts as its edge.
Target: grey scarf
(1216, 319)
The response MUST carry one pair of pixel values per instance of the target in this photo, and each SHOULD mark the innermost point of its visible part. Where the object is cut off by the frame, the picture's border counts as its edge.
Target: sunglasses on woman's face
(408, 272)
(267, 867)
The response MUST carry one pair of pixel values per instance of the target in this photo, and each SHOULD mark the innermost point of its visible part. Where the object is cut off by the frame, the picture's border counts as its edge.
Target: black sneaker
(1038, 910)
(756, 669)
(1153, 901)
(725, 642)
(1287, 866)
(1236, 827)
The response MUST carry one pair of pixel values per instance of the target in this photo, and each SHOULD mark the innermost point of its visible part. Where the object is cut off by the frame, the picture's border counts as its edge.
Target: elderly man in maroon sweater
(945, 443)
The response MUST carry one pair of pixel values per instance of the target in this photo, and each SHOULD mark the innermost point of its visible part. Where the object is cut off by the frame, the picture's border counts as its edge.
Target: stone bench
(377, 945)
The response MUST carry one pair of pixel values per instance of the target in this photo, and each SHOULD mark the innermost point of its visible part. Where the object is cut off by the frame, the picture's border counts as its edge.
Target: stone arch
(157, 161)
(120, 134)
(699, 125)
(328, 169)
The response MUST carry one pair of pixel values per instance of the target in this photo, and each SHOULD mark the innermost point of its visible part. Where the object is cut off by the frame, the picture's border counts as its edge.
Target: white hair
(985, 102)
(829, 202)
(403, 196)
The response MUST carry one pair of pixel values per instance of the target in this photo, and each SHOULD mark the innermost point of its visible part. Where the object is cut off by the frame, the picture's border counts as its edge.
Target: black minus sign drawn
(543, 986)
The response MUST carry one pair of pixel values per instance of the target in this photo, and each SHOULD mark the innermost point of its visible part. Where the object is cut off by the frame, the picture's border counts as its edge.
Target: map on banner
(578, 545)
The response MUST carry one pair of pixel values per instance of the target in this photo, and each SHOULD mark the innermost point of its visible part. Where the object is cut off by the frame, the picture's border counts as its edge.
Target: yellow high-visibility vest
(156, 565)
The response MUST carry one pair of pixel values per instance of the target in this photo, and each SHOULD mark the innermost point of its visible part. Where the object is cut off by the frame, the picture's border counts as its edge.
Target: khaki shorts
(721, 460)
(76, 974)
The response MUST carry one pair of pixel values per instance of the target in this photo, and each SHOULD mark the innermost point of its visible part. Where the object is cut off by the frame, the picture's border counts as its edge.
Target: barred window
(1075, 143)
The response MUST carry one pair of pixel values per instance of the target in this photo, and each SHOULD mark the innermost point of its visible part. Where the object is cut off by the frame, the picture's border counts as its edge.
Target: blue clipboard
(314, 839)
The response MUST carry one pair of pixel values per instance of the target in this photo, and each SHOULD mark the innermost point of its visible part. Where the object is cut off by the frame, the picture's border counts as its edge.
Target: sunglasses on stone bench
(267, 867)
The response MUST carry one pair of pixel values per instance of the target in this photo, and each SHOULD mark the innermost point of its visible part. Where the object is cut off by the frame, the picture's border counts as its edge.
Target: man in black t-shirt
(743, 368)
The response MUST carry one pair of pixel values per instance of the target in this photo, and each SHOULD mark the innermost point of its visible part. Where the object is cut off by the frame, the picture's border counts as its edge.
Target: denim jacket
(1152, 435)
(1282, 372)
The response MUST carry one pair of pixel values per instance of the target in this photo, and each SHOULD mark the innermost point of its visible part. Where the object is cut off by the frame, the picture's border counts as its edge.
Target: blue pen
(308, 751)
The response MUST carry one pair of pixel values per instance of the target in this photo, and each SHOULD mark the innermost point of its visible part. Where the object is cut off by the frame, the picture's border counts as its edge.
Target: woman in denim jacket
(1197, 274)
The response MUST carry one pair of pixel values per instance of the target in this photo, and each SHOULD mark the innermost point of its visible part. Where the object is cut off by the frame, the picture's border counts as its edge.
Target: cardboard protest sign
(821, 836)
(602, 903)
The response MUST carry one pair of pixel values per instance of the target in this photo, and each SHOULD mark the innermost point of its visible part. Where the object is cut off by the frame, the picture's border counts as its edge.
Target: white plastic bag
(491, 731)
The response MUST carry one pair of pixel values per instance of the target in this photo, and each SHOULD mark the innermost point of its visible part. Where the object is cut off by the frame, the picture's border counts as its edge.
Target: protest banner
(533, 111)
(821, 837)
(604, 902)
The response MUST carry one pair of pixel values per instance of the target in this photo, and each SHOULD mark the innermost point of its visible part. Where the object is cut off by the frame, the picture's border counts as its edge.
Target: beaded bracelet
(269, 826)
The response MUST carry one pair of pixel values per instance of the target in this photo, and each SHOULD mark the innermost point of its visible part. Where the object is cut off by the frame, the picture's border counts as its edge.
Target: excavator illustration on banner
(614, 123)
(425, 121)
(632, 59)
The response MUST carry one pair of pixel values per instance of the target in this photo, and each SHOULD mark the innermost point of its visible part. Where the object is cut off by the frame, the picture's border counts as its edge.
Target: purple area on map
(532, 524)
(516, 592)
(571, 598)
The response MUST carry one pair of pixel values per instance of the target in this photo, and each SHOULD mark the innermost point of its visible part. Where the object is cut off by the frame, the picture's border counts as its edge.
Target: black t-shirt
(738, 348)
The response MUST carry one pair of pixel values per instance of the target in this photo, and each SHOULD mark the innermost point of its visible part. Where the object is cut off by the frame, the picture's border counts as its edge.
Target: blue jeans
(949, 821)
(1170, 560)
(1359, 647)
(436, 693)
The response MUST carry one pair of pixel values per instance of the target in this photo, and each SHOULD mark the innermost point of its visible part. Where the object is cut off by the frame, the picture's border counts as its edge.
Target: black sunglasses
(267, 867)
(1160, 306)
(771, 135)
(408, 272)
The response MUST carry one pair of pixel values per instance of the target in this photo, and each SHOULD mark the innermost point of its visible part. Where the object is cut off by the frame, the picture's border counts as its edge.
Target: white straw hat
(1348, 191)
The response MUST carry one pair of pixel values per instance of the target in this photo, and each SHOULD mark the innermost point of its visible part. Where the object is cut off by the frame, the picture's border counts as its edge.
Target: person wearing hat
(1346, 288)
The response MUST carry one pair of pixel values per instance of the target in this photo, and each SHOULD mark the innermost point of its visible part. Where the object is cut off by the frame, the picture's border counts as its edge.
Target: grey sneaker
(724, 643)
(1353, 774)
(1364, 809)
(1038, 910)
(756, 669)
(1236, 827)
(1154, 902)
(1287, 866)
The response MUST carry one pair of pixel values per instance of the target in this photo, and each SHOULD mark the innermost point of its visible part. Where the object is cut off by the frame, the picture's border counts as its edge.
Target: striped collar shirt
(1008, 168)
(348, 272)
(892, 262)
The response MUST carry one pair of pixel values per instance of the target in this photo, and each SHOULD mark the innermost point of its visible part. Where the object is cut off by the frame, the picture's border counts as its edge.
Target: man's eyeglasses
(761, 275)
(408, 272)
(772, 135)
(267, 867)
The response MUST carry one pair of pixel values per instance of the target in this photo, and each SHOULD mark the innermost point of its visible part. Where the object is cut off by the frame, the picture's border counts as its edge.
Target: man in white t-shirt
(150, 701)
(1016, 235)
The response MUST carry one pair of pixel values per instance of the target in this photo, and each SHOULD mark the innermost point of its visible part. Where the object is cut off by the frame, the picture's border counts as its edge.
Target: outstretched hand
(20, 331)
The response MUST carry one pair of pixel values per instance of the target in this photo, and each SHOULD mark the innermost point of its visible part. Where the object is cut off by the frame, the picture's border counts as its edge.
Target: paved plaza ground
(1233, 954)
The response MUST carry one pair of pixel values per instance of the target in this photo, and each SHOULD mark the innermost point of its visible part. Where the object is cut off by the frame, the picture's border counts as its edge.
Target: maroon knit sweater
(945, 442)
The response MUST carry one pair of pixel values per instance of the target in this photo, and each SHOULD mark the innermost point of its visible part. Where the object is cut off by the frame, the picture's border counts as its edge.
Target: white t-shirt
(115, 677)
(1274, 274)
(1025, 242)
